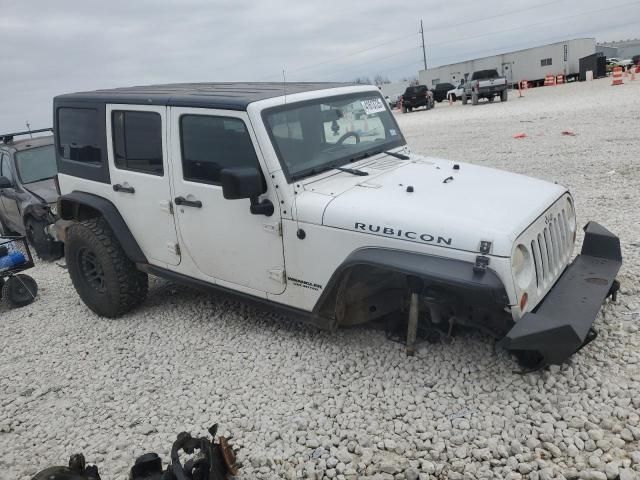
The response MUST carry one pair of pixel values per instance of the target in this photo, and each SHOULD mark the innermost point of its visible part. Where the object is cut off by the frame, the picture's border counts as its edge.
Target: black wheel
(19, 290)
(46, 247)
(410, 109)
(453, 97)
(107, 281)
(504, 96)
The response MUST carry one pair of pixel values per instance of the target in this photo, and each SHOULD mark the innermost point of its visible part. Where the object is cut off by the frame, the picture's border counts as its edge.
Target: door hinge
(275, 228)
(174, 248)
(167, 206)
(277, 274)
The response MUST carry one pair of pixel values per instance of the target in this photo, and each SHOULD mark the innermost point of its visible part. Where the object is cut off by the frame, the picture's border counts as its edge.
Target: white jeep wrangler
(306, 197)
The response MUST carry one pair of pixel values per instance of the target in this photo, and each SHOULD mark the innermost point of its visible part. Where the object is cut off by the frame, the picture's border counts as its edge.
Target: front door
(9, 196)
(139, 167)
(225, 241)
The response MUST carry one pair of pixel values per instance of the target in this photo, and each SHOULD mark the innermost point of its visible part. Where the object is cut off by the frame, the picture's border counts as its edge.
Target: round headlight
(522, 266)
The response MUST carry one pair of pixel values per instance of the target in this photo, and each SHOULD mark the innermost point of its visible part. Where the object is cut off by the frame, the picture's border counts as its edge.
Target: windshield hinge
(275, 228)
(277, 274)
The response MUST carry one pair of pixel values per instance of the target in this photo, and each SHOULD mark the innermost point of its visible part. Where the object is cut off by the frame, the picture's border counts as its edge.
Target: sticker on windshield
(373, 105)
(392, 132)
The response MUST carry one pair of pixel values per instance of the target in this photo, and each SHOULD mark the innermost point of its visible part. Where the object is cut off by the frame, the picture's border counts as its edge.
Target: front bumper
(561, 323)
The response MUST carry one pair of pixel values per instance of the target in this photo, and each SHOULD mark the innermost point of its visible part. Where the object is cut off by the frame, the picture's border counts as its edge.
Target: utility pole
(424, 52)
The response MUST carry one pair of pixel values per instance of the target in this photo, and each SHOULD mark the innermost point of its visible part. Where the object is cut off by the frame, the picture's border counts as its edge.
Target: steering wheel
(347, 135)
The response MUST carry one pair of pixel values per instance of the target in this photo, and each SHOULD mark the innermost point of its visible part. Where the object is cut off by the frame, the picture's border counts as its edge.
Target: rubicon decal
(404, 234)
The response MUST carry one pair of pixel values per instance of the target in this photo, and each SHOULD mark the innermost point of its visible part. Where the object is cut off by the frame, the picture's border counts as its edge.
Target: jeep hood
(427, 200)
(43, 189)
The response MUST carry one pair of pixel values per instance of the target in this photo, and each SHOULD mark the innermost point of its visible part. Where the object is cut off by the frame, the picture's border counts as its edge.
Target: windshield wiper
(401, 156)
(353, 171)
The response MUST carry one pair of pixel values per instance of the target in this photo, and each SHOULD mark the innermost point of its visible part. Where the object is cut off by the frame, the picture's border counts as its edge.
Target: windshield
(317, 135)
(36, 164)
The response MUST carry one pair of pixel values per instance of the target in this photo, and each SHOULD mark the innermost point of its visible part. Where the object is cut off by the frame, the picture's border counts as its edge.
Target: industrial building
(531, 64)
(623, 49)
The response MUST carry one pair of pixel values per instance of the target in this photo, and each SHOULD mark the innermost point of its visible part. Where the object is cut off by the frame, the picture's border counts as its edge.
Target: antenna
(29, 128)
(284, 86)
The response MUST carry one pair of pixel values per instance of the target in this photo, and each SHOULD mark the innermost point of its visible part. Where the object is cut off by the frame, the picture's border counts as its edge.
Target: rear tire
(46, 247)
(107, 281)
(474, 98)
(19, 290)
(504, 96)
(453, 98)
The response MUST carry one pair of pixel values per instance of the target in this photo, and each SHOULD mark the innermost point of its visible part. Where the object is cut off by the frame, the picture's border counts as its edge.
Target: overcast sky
(52, 47)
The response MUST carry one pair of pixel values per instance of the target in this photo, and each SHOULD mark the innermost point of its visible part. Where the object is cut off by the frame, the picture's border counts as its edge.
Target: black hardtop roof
(230, 96)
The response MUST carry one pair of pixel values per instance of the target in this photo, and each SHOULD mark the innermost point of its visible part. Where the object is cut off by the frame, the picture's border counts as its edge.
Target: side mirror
(5, 183)
(246, 182)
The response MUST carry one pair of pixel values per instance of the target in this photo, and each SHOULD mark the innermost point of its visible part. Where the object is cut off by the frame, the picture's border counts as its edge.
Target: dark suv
(417, 96)
(28, 192)
(440, 91)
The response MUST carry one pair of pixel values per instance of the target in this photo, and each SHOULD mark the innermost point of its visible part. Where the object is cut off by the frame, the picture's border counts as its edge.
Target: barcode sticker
(373, 105)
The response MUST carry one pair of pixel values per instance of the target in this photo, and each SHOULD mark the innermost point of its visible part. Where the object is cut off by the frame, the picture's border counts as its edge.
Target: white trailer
(531, 64)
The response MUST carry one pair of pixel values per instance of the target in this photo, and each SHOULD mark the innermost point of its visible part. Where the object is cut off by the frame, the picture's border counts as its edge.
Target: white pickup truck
(485, 84)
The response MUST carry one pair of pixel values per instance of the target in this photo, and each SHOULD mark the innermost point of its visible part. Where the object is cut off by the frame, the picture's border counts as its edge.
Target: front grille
(551, 248)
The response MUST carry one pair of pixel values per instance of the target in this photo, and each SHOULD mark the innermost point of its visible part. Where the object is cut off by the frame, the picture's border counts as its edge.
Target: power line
(534, 24)
(486, 52)
(435, 28)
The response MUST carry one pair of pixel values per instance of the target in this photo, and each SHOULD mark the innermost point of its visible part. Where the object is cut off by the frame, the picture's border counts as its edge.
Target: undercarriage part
(412, 324)
(209, 461)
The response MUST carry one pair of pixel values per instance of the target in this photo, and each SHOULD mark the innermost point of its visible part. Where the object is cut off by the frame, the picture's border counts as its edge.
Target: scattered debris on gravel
(303, 403)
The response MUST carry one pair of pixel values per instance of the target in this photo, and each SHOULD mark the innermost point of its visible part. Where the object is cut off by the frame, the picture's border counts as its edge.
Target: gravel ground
(303, 403)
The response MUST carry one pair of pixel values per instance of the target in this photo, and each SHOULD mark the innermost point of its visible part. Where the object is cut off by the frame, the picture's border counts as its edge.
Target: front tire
(504, 96)
(107, 281)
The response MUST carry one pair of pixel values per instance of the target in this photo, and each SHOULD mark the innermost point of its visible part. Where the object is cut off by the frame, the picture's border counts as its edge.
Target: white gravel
(303, 403)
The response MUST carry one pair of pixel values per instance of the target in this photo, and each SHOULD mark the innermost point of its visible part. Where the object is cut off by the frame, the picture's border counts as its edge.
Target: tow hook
(613, 291)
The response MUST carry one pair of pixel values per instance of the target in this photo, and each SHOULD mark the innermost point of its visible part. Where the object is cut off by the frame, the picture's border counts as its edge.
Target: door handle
(188, 203)
(119, 188)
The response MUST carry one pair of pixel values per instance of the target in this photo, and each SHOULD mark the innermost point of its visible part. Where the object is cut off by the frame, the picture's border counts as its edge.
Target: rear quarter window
(78, 135)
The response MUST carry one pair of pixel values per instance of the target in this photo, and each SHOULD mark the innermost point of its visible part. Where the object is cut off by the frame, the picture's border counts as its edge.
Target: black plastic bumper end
(561, 324)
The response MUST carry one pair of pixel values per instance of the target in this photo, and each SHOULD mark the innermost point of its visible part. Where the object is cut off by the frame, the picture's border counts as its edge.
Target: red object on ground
(520, 135)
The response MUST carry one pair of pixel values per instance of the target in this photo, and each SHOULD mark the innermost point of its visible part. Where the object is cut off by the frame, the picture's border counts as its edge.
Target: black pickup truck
(417, 96)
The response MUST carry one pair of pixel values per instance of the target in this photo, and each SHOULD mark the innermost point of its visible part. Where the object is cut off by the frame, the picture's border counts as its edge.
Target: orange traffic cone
(617, 76)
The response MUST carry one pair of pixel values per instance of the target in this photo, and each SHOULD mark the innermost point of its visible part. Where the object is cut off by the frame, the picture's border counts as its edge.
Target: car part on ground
(209, 461)
(17, 288)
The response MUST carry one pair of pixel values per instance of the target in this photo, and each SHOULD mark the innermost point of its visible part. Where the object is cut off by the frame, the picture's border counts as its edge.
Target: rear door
(137, 146)
(222, 237)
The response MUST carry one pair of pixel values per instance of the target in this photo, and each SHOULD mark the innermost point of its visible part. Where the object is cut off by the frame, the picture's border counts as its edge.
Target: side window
(137, 141)
(5, 168)
(210, 144)
(78, 135)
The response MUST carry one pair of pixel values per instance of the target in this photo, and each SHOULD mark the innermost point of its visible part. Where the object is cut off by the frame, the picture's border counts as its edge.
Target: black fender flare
(482, 288)
(82, 206)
